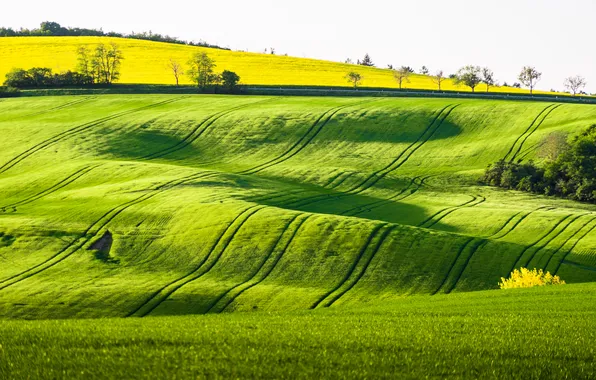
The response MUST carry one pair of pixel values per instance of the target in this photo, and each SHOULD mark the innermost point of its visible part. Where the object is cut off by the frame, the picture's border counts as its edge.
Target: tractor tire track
(572, 248)
(58, 186)
(265, 268)
(555, 236)
(208, 262)
(523, 141)
(58, 108)
(452, 266)
(395, 164)
(567, 241)
(406, 153)
(304, 141)
(479, 244)
(517, 222)
(370, 206)
(76, 130)
(198, 131)
(91, 231)
(365, 256)
(525, 132)
(433, 220)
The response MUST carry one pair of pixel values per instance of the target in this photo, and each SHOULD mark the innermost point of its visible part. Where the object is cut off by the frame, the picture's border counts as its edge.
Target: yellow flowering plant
(526, 278)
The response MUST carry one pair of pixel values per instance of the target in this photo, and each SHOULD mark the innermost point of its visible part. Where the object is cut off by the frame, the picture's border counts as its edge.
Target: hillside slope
(146, 62)
(159, 205)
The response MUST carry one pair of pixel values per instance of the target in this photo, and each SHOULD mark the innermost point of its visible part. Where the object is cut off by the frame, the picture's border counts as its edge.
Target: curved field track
(144, 205)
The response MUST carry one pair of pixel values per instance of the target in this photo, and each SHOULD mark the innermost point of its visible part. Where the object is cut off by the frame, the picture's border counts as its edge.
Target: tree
(230, 80)
(349, 61)
(390, 66)
(575, 84)
(553, 145)
(438, 78)
(488, 78)
(402, 75)
(424, 70)
(529, 76)
(106, 63)
(366, 61)
(201, 69)
(354, 78)
(177, 70)
(84, 61)
(469, 76)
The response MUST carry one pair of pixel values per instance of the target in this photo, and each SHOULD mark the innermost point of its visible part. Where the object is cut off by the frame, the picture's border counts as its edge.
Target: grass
(539, 333)
(146, 62)
(327, 237)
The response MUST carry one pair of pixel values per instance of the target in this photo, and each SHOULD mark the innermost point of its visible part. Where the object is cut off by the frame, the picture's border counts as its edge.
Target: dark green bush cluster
(7, 92)
(572, 174)
(43, 77)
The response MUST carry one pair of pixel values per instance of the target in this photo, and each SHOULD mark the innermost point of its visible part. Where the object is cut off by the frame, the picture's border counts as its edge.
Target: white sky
(556, 36)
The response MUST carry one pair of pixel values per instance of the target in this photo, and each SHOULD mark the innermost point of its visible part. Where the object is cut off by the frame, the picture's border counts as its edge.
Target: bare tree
(177, 70)
(529, 76)
(469, 76)
(575, 84)
(354, 78)
(438, 78)
(402, 75)
(488, 78)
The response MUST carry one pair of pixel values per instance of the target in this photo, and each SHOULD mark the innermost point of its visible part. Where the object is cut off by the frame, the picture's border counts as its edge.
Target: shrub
(42, 77)
(525, 278)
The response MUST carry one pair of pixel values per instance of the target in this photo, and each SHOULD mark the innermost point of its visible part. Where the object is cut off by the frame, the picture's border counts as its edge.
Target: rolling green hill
(116, 206)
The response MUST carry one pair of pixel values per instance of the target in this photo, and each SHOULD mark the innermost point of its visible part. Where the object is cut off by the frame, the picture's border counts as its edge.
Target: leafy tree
(469, 76)
(529, 76)
(106, 62)
(390, 66)
(569, 171)
(575, 84)
(177, 70)
(201, 69)
(84, 65)
(17, 78)
(488, 78)
(349, 61)
(402, 75)
(366, 61)
(230, 80)
(424, 70)
(553, 145)
(438, 78)
(354, 78)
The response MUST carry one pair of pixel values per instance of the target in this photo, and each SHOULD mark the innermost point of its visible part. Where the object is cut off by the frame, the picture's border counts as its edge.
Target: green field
(360, 208)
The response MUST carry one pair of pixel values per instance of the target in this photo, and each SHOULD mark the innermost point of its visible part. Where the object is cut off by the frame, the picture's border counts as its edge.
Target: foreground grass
(534, 333)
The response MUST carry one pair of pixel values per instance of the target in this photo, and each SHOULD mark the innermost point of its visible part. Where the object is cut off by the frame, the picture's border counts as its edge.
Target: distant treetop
(49, 28)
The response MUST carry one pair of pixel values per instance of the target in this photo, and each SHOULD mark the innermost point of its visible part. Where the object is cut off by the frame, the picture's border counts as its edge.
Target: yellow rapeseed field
(146, 62)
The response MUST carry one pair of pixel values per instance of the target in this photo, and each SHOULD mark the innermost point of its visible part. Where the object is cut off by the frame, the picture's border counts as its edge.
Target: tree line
(50, 28)
(567, 169)
(470, 76)
(101, 66)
